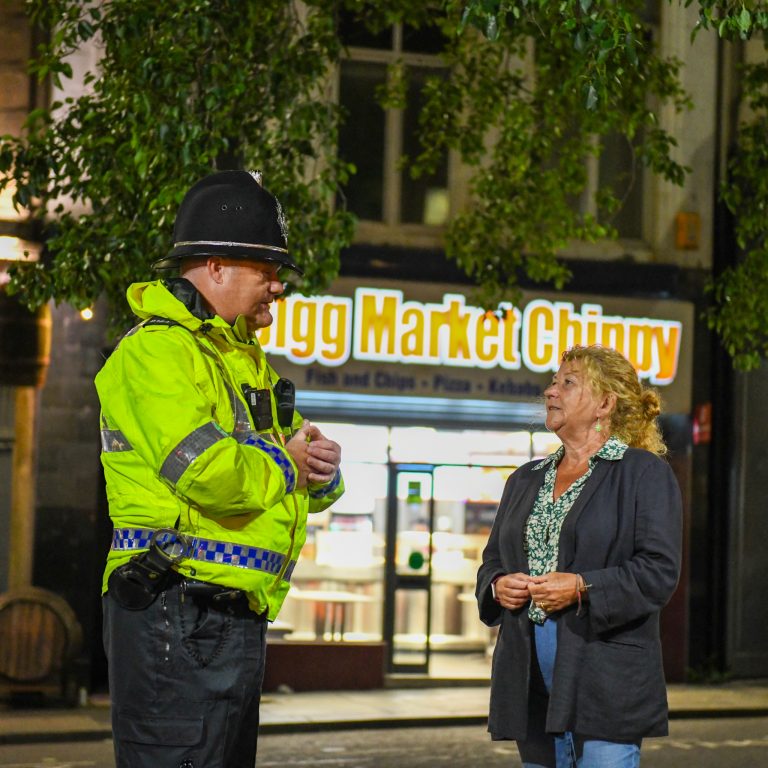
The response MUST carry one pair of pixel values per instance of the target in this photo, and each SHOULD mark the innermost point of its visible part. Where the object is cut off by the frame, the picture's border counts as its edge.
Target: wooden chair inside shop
(40, 639)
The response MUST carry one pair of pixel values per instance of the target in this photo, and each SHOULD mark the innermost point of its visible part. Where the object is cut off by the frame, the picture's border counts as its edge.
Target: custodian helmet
(230, 214)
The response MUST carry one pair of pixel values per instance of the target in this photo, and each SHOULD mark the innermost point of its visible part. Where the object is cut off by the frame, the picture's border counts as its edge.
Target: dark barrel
(25, 343)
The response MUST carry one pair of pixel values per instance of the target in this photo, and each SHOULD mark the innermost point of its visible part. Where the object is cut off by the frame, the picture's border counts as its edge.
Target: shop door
(408, 567)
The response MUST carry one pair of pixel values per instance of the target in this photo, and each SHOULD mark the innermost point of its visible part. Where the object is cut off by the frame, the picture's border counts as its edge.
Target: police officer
(210, 476)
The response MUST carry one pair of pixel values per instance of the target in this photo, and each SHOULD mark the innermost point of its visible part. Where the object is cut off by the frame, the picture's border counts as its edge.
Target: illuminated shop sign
(380, 325)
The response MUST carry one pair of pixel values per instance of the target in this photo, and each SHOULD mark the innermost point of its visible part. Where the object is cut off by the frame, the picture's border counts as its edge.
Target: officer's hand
(324, 457)
(298, 448)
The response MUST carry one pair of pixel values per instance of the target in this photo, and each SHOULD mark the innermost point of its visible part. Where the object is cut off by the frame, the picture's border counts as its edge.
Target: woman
(583, 554)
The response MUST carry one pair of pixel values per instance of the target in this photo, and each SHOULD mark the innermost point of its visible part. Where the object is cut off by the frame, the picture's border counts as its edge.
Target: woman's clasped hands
(551, 592)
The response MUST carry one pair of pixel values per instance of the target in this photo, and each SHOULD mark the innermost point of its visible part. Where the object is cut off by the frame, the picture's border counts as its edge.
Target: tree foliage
(181, 87)
(740, 310)
(526, 106)
(740, 294)
(532, 87)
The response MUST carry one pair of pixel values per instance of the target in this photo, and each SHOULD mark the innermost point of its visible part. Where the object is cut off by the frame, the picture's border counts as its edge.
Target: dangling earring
(598, 426)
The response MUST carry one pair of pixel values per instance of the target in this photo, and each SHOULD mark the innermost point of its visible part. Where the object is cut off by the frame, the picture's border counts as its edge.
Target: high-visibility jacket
(180, 449)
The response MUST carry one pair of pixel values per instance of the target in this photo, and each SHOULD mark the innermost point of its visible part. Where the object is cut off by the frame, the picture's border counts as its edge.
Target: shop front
(435, 402)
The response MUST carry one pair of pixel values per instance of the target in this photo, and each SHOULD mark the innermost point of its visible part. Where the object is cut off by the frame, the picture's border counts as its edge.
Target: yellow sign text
(380, 325)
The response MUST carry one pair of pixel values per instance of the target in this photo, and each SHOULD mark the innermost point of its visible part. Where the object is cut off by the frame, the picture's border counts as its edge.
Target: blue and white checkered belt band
(208, 550)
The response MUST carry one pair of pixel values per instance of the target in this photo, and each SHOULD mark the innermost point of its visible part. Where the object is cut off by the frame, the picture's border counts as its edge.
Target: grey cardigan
(623, 534)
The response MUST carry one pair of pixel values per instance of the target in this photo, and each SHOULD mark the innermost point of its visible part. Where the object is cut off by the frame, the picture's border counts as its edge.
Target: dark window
(424, 39)
(361, 137)
(623, 174)
(423, 200)
(652, 13)
(381, 190)
(355, 34)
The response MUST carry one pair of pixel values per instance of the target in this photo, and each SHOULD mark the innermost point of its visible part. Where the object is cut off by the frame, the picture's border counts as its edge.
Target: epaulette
(159, 321)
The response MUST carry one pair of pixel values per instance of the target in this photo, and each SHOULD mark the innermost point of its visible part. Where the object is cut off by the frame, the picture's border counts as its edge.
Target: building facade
(435, 402)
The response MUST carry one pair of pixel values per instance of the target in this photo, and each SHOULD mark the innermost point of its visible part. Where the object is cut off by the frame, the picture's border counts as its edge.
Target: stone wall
(15, 84)
(68, 450)
(72, 529)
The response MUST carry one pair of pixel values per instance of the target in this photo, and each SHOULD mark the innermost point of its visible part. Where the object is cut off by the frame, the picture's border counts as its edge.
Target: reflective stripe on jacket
(178, 444)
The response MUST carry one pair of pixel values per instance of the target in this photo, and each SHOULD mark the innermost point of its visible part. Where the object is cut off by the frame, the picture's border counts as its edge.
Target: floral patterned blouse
(542, 531)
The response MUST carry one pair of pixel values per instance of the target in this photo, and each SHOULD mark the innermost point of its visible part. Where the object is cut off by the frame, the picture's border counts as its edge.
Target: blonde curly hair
(634, 419)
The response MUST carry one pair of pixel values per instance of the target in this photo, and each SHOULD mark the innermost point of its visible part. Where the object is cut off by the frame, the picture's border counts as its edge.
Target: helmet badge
(281, 220)
(282, 223)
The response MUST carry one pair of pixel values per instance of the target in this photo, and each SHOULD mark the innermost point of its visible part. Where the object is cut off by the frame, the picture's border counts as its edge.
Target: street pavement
(711, 743)
(288, 712)
(722, 742)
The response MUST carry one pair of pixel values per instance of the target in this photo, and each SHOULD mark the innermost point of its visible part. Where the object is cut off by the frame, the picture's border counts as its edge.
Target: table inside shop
(330, 608)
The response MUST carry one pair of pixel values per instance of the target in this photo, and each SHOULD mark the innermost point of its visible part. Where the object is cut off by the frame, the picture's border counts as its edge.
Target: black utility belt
(135, 584)
(216, 597)
(205, 590)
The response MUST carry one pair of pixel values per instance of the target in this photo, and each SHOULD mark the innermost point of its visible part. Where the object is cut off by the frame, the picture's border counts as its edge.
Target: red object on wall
(702, 424)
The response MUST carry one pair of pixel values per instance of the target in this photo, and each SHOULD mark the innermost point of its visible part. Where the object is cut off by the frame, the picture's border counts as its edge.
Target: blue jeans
(570, 751)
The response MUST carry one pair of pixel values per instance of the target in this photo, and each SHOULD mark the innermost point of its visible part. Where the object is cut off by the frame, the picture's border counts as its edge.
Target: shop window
(360, 442)
(390, 205)
(505, 449)
(452, 479)
(544, 443)
(471, 447)
(444, 486)
(424, 444)
(347, 535)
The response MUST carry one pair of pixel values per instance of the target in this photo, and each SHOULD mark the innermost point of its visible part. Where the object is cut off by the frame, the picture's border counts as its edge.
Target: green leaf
(591, 98)
(745, 20)
(466, 18)
(492, 28)
(629, 41)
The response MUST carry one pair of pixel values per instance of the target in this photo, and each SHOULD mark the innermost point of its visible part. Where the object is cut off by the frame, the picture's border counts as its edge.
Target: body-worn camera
(137, 583)
(285, 399)
(260, 405)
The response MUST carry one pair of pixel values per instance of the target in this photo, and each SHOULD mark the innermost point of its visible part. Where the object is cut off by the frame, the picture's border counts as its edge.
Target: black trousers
(185, 678)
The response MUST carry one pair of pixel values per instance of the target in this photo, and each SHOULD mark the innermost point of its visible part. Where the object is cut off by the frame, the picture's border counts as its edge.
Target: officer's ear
(216, 268)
